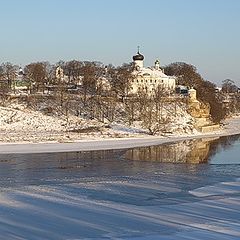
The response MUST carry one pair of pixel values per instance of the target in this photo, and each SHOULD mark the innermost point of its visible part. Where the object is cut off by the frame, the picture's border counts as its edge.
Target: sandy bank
(232, 127)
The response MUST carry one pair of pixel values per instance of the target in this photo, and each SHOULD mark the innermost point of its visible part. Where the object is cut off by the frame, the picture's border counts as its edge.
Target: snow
(217, 189)
(51, 196)
(88, 142)
(18, 123)
(23, 129)
(21, 124)
(15, 120)
(152, 71)
(120, 128)
(59, 212)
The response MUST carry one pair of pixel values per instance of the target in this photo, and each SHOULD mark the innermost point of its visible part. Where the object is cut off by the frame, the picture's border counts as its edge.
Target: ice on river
(117, 194)
(120, 209)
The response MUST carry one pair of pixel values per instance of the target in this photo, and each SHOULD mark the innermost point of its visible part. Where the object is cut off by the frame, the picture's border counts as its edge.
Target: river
(184, 190)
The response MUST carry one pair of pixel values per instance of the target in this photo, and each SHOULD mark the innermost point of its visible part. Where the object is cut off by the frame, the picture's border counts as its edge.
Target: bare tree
(9, 72)
(131, 109)
(121, 79)
(206, 91)
(228, 86)
(3, 91)
(72, 70)
(151, 108)
(90, 72)
(36, 75)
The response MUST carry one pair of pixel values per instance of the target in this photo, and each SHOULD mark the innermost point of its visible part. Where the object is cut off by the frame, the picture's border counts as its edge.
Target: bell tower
(157, 65)
(138, 60)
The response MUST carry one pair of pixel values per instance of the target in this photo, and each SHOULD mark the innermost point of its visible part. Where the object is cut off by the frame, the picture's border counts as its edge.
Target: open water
(185, 190)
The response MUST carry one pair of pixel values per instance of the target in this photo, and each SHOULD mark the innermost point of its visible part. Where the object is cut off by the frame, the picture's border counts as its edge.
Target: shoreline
(232, 128)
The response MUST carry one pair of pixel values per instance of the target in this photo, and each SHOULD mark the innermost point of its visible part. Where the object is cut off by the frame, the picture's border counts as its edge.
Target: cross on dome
(138, 56)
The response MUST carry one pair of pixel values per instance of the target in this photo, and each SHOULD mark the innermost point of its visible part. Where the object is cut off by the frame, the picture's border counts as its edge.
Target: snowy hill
(19, 123)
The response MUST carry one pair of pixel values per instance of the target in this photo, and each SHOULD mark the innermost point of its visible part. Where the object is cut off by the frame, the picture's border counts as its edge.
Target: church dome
(138, 57)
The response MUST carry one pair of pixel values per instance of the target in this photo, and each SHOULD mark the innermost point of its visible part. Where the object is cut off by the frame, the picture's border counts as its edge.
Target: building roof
(139, 57)
(151, 71)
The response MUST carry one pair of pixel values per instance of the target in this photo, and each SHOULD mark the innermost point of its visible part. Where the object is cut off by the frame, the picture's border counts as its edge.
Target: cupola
(138, 57)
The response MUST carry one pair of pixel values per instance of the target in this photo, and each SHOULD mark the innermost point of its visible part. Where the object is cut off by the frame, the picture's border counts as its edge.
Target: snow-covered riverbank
(46, 122)
(100, 196)
(232, 127)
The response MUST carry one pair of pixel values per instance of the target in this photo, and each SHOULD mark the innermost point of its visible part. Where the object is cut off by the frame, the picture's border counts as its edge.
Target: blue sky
(204, 33)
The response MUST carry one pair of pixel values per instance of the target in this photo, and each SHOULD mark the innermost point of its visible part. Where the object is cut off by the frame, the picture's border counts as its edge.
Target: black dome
(138, 57)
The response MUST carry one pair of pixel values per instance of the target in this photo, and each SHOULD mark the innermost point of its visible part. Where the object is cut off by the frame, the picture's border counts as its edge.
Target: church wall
(139, 63)
(152, 83)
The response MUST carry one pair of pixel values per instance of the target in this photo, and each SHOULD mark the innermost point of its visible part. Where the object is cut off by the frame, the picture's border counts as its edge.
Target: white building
(150, 78)
(59, 73)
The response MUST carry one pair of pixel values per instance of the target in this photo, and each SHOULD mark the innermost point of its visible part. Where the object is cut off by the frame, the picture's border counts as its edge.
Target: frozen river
(187, 190)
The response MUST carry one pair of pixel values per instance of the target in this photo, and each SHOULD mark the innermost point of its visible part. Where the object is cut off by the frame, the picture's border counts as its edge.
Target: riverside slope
(232, 127)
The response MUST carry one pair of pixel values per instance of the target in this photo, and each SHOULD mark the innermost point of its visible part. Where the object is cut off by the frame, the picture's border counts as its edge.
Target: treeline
(222, 102)
(37, 76)
(94, 90)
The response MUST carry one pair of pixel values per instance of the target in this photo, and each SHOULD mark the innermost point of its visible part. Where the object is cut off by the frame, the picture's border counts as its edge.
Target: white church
(150, 78)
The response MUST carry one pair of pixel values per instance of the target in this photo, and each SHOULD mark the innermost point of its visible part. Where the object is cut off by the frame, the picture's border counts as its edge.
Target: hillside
(21, 123)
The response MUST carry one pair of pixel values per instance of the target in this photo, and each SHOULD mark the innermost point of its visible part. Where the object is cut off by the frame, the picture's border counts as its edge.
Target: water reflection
(134, 192)
(190, 151)
(49, 168)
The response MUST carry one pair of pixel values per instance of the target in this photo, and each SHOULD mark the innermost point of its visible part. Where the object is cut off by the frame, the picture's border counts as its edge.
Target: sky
(204, 33)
